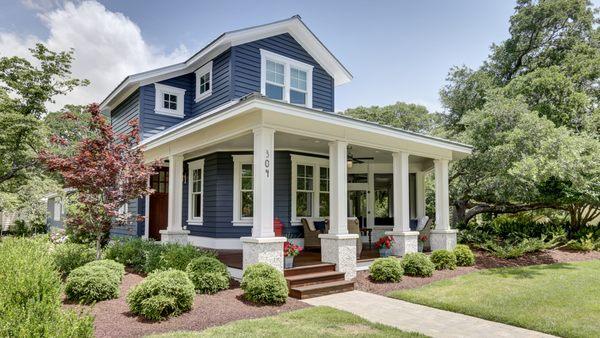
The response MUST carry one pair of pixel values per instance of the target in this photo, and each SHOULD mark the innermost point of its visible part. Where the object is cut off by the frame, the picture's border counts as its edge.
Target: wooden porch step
(321, 289)
(314, 278)
(301, 270)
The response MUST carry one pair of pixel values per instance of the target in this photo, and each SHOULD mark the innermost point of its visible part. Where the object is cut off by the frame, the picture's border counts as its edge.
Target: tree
(401, 115)
(107, 170)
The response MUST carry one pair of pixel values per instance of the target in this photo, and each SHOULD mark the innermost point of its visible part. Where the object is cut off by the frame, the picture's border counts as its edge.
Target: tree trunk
(471, 211)
(99, 246)
(460, 212)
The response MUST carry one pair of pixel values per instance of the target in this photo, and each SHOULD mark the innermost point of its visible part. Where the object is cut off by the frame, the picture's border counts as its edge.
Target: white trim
(195, 165)
(316, 163)
(162, 89)
(147, 214)
(238, 160)
(206, 69)
(287, 63)
(215, 243)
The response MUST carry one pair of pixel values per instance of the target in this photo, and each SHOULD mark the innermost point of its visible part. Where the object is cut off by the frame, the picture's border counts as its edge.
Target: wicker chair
(311, 235)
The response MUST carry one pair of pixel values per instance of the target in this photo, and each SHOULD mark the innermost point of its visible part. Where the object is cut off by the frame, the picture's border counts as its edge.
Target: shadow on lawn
(527, 272)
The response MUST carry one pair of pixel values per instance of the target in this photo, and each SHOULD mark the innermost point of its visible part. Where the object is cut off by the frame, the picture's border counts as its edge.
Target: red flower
(384, 242)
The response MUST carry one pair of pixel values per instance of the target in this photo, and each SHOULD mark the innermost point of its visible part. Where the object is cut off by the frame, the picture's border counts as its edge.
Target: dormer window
(169, 100)
(204, 82)
(286, 79)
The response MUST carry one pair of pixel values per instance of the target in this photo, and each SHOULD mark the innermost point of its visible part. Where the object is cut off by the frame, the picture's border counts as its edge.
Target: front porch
(233, 172)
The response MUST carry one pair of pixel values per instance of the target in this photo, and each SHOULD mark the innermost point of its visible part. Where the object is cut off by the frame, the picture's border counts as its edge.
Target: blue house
(248, 136)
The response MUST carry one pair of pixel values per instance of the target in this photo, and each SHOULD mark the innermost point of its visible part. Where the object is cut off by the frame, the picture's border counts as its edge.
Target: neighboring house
(247, 133)
(7, 219)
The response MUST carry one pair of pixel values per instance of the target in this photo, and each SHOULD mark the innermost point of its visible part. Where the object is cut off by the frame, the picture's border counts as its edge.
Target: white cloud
(108, 46)
(41, 5)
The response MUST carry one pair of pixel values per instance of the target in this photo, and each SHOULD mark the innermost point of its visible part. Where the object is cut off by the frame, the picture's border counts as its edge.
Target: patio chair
(311, 234)
(426, 230)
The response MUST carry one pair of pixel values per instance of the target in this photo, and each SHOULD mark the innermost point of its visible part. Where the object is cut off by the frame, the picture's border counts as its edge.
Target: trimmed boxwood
(173, 256)
(263, 284)
(92, 283)
(162, 294)
(387, 269)
(208, 274)
(464, 255)
(443, 260)
(417, 264)
(69, 256)
(130, 252)
(117, 268)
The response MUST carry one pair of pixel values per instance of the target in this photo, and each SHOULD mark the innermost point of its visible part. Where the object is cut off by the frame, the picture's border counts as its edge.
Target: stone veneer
(340, 250)
(443, 239)
(174, 236)
(405, 242)
(263, 250)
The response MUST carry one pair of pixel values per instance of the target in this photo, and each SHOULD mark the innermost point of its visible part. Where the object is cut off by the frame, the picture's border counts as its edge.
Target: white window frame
(57, 212)
(195, 165)
(238, 161)
(316, 163)
(162, 89)
(206, 69)
(288, 63)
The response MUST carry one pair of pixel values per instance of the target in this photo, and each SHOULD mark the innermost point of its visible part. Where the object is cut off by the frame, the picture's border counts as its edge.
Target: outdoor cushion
(311, 224)
(319, 225)
(422, 222)
(413, 224)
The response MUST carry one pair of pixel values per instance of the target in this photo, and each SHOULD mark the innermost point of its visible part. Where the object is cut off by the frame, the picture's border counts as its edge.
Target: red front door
(159, 203)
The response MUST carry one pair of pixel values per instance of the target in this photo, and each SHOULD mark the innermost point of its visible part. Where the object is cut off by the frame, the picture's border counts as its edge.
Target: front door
(358, 205)
(159, 203)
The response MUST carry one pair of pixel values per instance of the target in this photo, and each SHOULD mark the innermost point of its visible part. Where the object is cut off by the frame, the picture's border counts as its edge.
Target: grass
(320, 321)
(560, 299)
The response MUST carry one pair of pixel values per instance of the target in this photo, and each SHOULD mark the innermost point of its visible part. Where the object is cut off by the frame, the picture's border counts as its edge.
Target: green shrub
(263, 284)
(417, 264)
(89, 284)
(130, 252)
(443, 260)
(208, 274)
(173, 256)
(117, 268)
(585, 243)
(464, 255)
(69, 256)
(30, 289)
(515, 249)
(387, 269)
(162, 294)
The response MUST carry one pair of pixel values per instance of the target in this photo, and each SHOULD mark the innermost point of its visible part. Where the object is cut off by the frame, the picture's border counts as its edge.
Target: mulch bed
(483, 261)
(113, 319)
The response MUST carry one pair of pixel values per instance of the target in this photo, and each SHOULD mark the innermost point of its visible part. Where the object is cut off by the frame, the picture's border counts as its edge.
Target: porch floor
(233, 258)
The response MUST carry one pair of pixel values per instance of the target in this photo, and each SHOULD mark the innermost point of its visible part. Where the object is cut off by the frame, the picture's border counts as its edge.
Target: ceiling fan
(357, 159)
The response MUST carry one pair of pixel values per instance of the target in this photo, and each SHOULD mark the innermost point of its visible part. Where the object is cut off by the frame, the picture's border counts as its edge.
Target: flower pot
(420, 246)
(288, 262)
(384, 252)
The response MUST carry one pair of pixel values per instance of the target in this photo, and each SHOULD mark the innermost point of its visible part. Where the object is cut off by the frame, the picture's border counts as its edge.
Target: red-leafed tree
(106, 169)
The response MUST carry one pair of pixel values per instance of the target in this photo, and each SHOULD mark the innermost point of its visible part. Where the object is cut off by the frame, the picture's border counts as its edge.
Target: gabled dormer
(283, 60)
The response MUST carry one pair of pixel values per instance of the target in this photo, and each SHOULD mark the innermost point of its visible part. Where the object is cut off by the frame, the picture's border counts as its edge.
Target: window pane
(274, 92)
(309, 171)
(173, 106)
(297, 97)
(166, 97)
(247, 170)
(324, 185)
(301, 170)
(304, 204)
(298, 79)
(166, 104)
(246, 204)
(173, 98)
(197, 205)
(323, 204)
(274, 72)
(324, 172)
(247, 183)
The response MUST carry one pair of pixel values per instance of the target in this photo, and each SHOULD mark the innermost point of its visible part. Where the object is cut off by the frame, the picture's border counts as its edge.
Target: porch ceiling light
(350, 164)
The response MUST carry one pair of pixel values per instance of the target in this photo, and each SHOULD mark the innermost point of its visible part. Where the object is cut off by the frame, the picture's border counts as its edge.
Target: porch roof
(256, 101)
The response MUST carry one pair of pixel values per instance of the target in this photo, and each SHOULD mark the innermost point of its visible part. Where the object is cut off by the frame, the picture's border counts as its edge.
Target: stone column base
(174, 236)
(341, 251)
(267, 250)
(443, 239)
(405, 242)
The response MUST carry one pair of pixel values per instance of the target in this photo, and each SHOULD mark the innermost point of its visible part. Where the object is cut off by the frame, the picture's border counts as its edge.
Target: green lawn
(311, 322)
(560, 299)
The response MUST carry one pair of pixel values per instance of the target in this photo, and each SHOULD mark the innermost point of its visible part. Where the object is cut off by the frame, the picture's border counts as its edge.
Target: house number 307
(267, 162)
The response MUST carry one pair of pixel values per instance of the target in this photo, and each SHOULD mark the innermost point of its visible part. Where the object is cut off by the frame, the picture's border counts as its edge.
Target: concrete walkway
(418, 318)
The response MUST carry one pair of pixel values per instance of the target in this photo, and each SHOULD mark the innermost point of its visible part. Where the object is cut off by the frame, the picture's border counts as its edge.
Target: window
(286, 79)
(323, 192)
(160, 181)
(169, 100)
(243, 189)
(195, 191)
(304, 190)
(204, 82)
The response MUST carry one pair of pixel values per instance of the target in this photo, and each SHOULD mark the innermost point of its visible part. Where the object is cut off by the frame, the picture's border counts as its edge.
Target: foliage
(173, 256)
(117, 268)
(559, 299)
(417, 264)
(91, 283)
(385, 242)
(464, 255)
(263, 284)
(585, 243)
(69, 256)
(162, 294)
(443, 259)
(208, 274)
(131, 252)
(407, 116)
(106, 170)
(515, 249)
(387, 269)
(31, 294)
(291, 249)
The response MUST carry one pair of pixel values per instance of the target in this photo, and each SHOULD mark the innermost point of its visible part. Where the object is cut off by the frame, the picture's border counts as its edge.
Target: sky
(396, 50)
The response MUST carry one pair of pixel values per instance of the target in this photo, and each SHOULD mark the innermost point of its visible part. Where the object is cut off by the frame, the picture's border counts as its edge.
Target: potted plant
(422, 240)
(384, 244)
(290, 250)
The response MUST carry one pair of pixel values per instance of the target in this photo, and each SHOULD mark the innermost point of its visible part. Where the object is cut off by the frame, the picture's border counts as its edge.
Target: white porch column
(263, 246)
(338, 246)
(406, 240)
(420, 204)
(175, 232)
(442, 237)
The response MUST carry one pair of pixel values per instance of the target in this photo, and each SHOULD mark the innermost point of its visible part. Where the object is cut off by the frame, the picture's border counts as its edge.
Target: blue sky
(396, 50)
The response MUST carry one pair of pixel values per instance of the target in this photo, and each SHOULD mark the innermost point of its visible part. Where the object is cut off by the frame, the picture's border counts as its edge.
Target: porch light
(350, 164)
